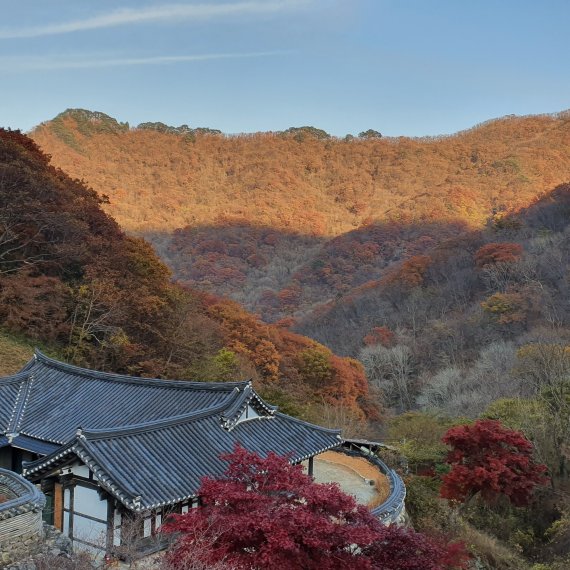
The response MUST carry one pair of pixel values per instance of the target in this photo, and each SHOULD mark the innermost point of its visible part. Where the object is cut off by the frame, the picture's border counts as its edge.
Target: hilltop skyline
(410, 69)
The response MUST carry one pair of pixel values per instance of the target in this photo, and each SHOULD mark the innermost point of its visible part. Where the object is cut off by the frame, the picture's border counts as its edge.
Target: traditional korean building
(110, 449)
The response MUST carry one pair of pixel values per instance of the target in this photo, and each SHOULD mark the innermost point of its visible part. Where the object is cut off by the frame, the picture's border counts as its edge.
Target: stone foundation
(54, 544)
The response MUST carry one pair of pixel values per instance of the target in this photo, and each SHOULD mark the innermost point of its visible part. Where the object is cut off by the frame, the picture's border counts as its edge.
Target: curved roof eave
(83, 453)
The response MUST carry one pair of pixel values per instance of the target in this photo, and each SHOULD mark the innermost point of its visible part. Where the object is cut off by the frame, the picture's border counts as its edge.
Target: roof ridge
(246, 398)
(157, 382)
(97, 463)
(20, 404)
(63, 450)
(13, 378)
(78, 446)
(162, 423)
(303, 422)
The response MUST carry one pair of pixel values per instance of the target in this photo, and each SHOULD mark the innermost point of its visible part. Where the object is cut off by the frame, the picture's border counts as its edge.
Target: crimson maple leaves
(491, 460)
(266, 513)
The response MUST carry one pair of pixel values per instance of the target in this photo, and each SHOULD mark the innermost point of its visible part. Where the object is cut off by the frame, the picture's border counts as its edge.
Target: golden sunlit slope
(160, 179)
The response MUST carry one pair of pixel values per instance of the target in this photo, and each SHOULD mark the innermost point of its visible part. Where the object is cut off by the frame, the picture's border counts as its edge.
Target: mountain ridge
(339, 211)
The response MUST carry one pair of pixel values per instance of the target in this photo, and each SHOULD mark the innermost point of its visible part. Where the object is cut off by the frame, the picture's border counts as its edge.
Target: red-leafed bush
(411, 273)
(491, 460)
(266, 513)
(380, 335)
(405, 549)
(493, 253)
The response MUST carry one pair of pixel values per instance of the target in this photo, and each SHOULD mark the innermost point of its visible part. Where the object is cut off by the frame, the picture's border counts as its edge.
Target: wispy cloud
(165, 13)
(25, 63)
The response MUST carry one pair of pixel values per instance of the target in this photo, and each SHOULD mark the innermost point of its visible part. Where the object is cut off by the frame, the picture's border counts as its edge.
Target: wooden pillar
(311, 466)
(58, 506)
(110, 524)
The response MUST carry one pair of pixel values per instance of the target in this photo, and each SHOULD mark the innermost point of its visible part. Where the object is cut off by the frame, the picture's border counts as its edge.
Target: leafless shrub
(391, 370)
(77, 561)
(468, 391)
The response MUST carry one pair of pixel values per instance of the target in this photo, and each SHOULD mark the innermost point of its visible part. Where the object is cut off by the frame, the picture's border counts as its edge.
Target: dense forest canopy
(282, 222)
(439, 267)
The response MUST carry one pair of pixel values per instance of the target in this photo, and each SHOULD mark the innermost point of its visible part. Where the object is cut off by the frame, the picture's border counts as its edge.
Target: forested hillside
(72, 280)
(284, 222)
(438, 326)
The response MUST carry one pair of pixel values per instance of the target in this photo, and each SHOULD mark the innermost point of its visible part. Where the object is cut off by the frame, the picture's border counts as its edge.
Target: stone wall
(54, 551)
(21, 526)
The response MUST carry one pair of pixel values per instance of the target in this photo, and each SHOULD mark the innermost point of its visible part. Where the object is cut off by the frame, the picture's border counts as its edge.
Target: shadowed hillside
(443, 292)
(284, 274)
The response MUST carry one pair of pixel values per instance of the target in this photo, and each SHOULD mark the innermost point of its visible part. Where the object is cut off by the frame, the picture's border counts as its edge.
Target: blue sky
(403, 67)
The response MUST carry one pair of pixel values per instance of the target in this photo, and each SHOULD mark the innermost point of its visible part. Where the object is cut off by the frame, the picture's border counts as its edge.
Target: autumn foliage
(410, 273)
(315, 185)
(266, 513)
(492, 253)
(69, 276)
(490, 460)
(380, 335)
(506, 308)
(282, 222)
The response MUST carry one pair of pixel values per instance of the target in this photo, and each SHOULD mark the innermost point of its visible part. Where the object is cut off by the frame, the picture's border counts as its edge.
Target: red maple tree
(493, 253)
(492, 460)
(380, 335)
(267, 513)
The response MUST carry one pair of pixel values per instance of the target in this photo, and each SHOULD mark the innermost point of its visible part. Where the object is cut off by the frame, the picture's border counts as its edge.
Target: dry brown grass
(492, 552)
(13, 354)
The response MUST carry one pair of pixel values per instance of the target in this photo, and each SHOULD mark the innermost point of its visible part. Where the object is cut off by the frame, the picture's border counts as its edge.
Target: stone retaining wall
(21, 525)
(55, 551)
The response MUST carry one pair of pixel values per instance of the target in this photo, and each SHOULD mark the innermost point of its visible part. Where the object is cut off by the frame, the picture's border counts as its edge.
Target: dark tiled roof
(151, 465)
(9, 389)
(34, 445)
(55, 398)
(247, 397)
(148, 442)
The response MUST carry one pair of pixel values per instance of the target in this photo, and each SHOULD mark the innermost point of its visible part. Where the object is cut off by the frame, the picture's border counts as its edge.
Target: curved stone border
(393, 509)
(21, 525)
(27, 497)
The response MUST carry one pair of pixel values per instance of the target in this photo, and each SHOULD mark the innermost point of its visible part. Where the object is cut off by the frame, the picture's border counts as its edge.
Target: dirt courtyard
(355, 475)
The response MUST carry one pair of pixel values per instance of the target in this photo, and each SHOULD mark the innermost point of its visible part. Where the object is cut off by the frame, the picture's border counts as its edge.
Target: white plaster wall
(66, 523)
(248, 414)
(147, 527)
(117, 528)
(80, 470)
(87, 501)
(91, 531)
